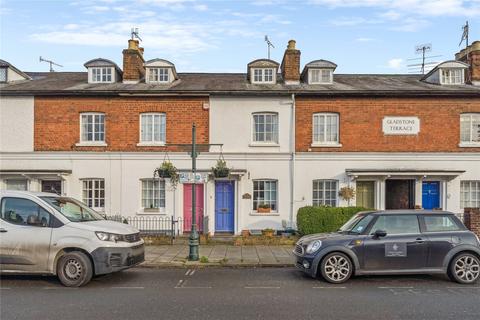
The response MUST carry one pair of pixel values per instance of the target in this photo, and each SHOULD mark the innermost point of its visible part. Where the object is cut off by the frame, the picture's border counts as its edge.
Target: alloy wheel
(337, 268)
(467, 268)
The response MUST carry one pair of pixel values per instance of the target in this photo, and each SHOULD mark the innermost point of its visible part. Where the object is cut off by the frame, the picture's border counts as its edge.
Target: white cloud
(395, 63)
(364, 39)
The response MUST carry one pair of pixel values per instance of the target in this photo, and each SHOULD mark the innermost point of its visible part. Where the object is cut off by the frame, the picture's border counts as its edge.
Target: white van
(43, 233)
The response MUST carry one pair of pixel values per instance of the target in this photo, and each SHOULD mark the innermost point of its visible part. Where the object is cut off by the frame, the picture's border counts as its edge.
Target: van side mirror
(33, 220)
(380, 233)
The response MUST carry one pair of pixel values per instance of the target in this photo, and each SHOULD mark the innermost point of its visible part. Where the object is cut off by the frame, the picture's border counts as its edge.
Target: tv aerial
(135, 34)
(51, 63)
(426, 65)
(269, 45)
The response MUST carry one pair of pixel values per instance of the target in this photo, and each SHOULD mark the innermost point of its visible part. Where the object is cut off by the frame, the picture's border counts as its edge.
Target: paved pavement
(238, 293)
(219, 255)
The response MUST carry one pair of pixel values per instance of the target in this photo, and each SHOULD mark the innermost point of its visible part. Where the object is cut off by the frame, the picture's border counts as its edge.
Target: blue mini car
(393, 242)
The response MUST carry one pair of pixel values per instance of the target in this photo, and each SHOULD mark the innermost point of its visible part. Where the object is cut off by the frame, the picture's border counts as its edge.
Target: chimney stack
(291, 64)
(471, 55)
(133, 68)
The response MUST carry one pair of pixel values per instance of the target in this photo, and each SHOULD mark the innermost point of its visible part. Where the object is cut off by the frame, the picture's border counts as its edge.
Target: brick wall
(291, 63)
(472, 219)
(57, 121)
(361, 123)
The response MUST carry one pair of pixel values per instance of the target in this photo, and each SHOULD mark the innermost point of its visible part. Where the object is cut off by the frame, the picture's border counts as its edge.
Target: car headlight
(313, 246)
(105, 236)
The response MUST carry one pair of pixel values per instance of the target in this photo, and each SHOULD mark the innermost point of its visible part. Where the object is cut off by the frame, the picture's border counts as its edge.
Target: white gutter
(292, 164)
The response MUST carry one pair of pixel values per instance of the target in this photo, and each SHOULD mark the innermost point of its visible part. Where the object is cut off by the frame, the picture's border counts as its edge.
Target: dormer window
(263, 75)
(320, 76)
(3, 74)
(262, 71)
(103, 74)
(158, 75)
(8, 73)
(452, 76)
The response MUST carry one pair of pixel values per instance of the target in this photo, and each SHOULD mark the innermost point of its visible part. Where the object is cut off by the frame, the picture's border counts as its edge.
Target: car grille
(116, 260)
(134, 237)
(135, 259)
(299, 250)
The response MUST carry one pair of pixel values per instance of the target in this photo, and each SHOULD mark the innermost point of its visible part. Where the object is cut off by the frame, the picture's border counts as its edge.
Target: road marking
(190, 272)
(329, 287)
(193, 271)
(179, 284)
(5, 288)
(459, 287)
(395, 287)
(58, 288)
(128, 288)
(261, 287)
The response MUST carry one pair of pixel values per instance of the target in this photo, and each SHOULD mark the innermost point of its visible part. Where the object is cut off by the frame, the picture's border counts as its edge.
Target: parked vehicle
(43, 233)
(393, 242)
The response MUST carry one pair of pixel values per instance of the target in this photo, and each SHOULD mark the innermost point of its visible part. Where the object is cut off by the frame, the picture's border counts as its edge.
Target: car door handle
(3, 230)
(419, 240)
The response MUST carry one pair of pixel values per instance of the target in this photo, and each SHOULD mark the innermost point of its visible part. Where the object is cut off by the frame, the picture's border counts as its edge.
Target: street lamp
(193, 240)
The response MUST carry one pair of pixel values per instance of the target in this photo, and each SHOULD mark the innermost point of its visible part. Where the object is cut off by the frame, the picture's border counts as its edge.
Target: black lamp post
(193, 240)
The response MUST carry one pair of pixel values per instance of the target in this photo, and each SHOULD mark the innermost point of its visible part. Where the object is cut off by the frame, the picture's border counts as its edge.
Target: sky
(360, 36)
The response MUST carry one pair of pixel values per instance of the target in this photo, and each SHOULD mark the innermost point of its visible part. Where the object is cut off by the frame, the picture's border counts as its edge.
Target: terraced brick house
(290, 136)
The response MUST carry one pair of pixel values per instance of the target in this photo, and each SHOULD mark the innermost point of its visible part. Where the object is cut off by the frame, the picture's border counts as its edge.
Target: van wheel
(336, 268)
(465, 268)
(74, 269)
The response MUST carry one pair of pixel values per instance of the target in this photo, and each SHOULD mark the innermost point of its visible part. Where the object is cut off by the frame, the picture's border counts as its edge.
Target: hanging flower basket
(167, 171)
(221, 170)
(347, 193)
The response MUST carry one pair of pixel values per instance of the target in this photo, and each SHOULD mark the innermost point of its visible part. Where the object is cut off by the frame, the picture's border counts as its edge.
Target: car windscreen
(72, 209)
(357, 224)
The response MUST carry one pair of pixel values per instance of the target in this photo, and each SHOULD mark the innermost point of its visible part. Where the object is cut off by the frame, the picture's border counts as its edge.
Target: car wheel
(465, 268)
(336, 268)
(74, 269)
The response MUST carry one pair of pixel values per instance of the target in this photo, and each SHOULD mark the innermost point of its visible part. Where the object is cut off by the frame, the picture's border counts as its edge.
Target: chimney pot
(291, 45)
(471, 55)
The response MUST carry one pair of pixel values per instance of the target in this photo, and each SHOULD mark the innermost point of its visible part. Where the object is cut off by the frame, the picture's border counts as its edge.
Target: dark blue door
(224, 206)
(431, 194)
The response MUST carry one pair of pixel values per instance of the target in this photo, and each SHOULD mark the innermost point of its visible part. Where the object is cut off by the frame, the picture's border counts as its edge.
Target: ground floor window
(470, 194)
(153, 193)
(94, 193)
(325, 193)
(16, 184)
(265, 193)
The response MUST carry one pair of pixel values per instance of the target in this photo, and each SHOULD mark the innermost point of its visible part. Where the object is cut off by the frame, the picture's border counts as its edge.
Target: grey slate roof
(75, 83)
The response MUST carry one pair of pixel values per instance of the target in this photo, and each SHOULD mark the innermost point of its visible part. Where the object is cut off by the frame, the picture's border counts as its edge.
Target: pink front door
(187, 207)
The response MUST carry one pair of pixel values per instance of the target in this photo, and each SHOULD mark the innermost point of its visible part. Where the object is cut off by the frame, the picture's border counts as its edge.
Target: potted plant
(221, 170)
(268, 232)
(245, 233)
(263, 208)
(347, 194)
(168, 171)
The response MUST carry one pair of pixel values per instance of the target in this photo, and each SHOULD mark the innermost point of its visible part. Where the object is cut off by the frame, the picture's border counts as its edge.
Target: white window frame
(320, 76)
(275, 138)
(158, 78)
(93, 190)
(163, 131)
(450, 79)
(103, 73)
(469, 117)
(26, 181)
(151, 196)
(263, 75)
(320, 185)
(270, 201)
(470, 194)
(6, 74)
(326, 142)
(92, 142)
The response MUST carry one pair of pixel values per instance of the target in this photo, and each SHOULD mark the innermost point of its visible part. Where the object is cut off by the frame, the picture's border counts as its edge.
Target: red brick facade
(472, 220)
(57, 121)
(361, 123)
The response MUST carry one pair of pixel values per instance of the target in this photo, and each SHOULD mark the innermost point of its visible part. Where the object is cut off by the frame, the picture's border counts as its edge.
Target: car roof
(23, 193)
(408, 211)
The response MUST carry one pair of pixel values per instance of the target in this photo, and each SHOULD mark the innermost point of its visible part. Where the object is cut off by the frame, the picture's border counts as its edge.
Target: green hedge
(323, 219)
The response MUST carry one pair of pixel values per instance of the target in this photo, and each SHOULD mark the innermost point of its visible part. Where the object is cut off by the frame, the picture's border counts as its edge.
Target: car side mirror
(380, 233)
(33, 220)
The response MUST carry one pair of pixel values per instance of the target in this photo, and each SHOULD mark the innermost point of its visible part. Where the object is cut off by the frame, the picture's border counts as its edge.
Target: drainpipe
(292, 163)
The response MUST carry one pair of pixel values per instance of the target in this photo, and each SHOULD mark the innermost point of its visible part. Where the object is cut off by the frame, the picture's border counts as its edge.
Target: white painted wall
(16, 124)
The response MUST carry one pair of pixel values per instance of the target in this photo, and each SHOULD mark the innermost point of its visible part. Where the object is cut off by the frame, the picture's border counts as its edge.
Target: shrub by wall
(323, 219)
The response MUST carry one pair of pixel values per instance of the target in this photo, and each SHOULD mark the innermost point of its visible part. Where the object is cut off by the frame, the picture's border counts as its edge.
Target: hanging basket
(167, 171)
(221, 170)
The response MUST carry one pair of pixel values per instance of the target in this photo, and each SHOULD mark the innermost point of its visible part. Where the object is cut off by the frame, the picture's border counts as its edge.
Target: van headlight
(106, 236)
(313, 246)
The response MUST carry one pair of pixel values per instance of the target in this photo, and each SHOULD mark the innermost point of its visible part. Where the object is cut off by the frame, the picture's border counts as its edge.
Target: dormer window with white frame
(263, 75)
(3, 74)
(101, 74)
(452, 76)
(320, 76)
(102, 71)
(158, 75)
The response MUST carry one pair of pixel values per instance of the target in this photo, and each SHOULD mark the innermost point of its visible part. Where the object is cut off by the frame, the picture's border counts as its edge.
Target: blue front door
(224, 206)
(430, 195)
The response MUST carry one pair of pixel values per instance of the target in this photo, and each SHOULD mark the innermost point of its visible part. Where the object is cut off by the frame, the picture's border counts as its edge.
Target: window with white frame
(470, 128)
(470, 194)
(102, 74)
(153, 194)
(265, 127)
(320, 76)
(93, 191)
(325, 193)
(158, 75)
(325, 129)
(16, 184)
(152, 128)
(3, 74)
(451, 76)
(92, 127)
(265, 193)
(265, 75)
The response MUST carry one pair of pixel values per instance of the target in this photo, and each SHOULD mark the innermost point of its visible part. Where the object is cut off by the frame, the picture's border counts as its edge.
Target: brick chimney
(471, 55)
(291, 64)
(133, 69)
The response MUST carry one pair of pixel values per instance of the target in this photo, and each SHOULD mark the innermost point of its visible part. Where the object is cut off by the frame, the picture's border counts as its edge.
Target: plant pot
(264, 210)
(245, 233)
(164, 174)
(268, 233)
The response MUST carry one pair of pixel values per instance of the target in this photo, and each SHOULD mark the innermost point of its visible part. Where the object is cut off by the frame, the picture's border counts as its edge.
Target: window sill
(255, 213)
(151, 211)
(469, 144)
(91, 144)
(264, 144)
(326, 145)
(151, 144)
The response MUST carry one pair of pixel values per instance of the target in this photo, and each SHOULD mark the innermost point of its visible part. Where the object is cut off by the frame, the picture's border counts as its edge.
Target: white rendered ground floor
(263, 190)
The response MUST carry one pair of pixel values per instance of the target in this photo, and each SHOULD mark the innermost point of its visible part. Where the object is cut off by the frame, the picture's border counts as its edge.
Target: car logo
(395, 247)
